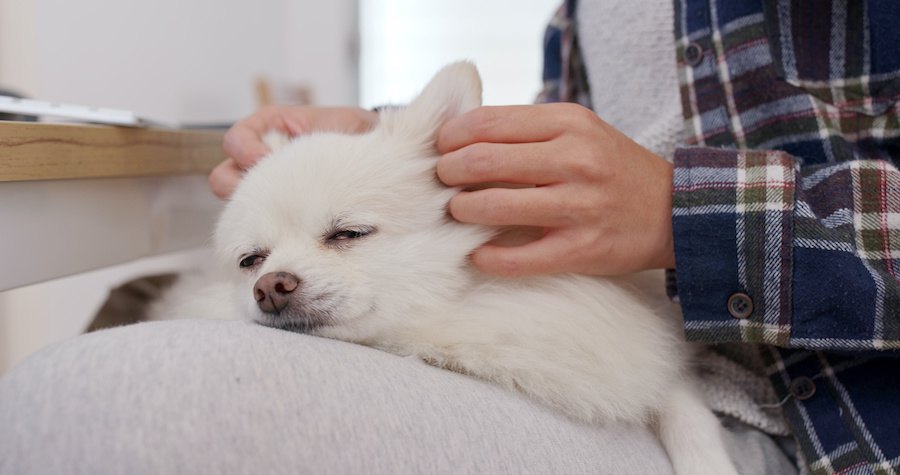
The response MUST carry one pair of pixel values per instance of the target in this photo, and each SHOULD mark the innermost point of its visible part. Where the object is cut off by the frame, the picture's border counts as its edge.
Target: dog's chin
(309, 324)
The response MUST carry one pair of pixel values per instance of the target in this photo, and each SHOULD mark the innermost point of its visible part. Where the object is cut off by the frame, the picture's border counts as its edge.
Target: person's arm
(771, 252)
(806, 257)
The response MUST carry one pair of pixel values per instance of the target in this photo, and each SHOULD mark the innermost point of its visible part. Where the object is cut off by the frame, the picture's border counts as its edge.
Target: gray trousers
(234, 397)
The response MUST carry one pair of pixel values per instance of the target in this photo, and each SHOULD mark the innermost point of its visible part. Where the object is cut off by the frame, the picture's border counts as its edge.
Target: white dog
(348, 237)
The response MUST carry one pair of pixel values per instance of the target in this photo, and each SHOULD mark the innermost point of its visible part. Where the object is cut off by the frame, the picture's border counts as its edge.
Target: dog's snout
(273, 291)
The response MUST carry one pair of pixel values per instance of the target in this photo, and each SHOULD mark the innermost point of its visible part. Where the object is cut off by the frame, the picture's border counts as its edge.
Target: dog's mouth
(293, 326)
(308, 322)
(303, 314)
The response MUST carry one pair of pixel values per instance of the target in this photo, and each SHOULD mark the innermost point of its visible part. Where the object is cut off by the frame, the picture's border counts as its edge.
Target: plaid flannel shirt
(787, 204)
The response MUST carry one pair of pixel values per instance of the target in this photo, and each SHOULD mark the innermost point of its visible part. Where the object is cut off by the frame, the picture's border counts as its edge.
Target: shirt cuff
(732, 223)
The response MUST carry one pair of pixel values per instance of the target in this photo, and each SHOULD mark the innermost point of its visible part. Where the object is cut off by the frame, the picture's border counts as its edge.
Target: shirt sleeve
(771, 252)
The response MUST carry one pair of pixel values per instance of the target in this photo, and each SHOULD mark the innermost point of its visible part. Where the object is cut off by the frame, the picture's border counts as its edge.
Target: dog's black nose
(273, 291)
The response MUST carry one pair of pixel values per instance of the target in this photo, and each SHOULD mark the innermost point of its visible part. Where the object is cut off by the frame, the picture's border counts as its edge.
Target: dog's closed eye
(341, 237)
(345, 235)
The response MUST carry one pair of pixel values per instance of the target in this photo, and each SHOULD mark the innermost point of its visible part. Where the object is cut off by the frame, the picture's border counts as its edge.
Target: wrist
(665, 254)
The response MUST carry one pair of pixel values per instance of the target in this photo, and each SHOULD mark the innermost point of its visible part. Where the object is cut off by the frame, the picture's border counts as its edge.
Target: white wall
(177, 61)
(404, 42)
(320, 39)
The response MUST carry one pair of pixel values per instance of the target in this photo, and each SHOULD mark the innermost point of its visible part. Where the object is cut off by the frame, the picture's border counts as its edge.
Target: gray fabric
(233, 397)
(756, 453)
(734, 382)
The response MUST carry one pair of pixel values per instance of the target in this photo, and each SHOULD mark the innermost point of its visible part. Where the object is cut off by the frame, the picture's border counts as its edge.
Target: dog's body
(347, 237)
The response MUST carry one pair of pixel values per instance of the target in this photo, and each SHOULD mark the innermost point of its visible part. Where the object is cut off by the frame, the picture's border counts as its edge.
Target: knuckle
(587, 115)
(476, 161)
(593, 211)
(482, 118)
(577, 212)
(594, 207)
(587, 165)
(583, 113)
(489, 206)
(600, 244)
(496, 206)
(596, 241)
(578, 117)
(476, 151)
(230, 142)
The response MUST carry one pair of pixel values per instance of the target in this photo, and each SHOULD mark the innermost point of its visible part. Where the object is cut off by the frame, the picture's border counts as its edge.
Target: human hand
(603, 201)
(243, 142)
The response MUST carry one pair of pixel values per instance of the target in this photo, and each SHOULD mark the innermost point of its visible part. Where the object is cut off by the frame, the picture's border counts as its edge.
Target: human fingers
(243, 141)
(506, 124)
(552, 254)
(531, 163)
(509, 207)
(224, 178)
(348, 120)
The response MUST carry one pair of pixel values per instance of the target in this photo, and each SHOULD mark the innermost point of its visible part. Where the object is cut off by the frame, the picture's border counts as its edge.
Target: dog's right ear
(455, 89)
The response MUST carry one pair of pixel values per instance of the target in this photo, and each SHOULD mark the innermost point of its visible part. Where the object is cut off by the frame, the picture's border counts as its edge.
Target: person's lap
(233, 397)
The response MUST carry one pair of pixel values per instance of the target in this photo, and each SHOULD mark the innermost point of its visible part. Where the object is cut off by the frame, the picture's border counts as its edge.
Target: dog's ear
(455, 89)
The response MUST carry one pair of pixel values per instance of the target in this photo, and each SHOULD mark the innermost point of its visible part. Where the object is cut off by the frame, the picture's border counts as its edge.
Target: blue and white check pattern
(787, 190)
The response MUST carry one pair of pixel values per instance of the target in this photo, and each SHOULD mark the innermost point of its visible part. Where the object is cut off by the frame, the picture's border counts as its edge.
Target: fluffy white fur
(590, 347)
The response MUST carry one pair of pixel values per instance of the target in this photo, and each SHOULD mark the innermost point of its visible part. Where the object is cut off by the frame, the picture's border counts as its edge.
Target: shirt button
(802, 388)
(740, 305)
(693, 54)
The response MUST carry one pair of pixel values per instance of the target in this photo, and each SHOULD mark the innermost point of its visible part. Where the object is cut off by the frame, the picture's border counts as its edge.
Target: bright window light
(404, 42)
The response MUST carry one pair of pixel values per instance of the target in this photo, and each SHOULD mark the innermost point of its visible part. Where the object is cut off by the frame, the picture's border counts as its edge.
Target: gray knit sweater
(630, 58)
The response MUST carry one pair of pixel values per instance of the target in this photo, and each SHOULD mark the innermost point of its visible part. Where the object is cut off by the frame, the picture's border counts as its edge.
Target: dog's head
(340, 235)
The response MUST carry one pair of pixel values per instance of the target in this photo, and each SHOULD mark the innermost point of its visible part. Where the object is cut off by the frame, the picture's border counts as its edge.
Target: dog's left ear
(455, 89)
